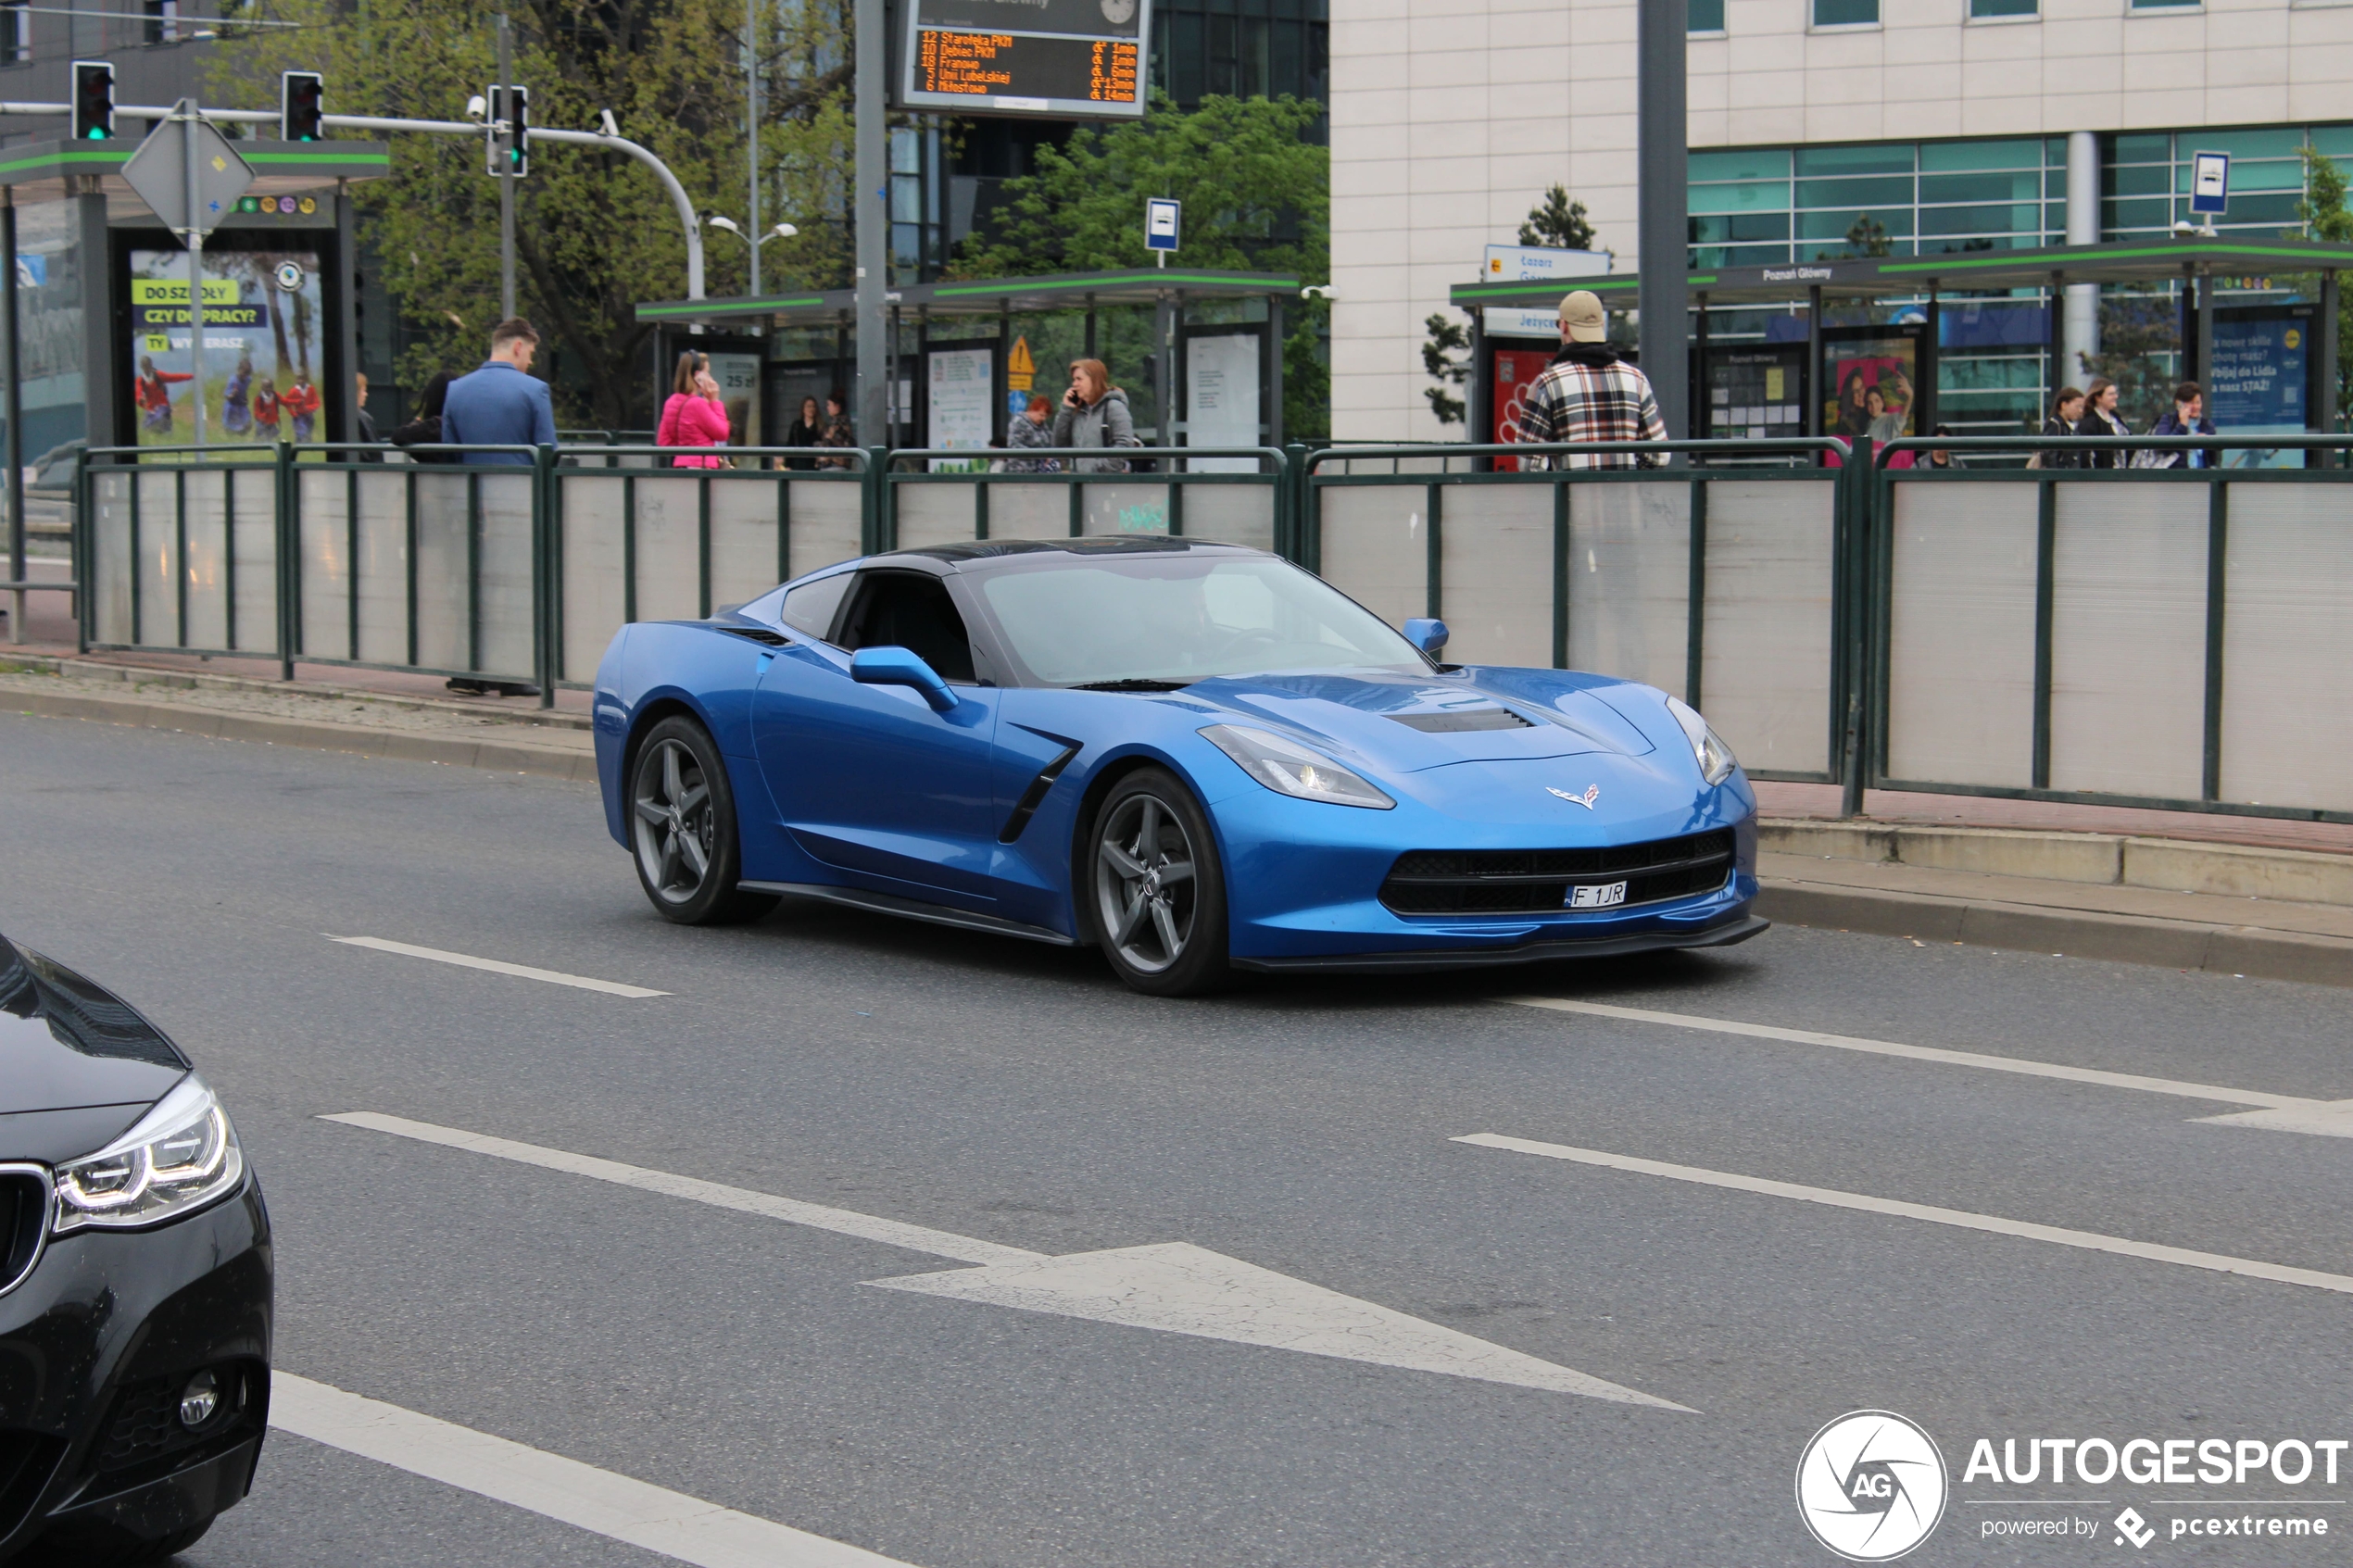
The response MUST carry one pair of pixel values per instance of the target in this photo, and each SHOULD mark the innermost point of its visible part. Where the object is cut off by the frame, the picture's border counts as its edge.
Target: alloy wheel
(677, 828)
(1144, 883)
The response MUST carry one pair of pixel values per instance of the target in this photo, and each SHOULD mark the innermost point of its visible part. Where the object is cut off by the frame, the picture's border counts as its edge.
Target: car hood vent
(1461, 720)
(759, 634)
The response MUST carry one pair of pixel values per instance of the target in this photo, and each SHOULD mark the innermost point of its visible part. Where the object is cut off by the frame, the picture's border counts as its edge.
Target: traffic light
(302, 107)
(510, 149)
(93, 100)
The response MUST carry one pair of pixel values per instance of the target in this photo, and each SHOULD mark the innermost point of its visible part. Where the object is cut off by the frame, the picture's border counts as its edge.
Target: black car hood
(68, 1044)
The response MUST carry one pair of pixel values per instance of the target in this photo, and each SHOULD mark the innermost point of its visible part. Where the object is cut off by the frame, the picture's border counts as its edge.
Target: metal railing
(2172, 638)
(2176, 638)
(1729, 586)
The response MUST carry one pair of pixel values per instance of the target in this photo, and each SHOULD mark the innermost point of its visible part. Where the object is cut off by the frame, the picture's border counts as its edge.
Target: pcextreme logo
(1872, 1486)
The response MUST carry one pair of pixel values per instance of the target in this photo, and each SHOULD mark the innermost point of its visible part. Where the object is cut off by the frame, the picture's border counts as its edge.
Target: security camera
(606, 122)
(1319, 290)
(477, 107)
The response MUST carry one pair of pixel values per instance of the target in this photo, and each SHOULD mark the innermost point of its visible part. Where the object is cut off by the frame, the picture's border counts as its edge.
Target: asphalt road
(1017, 1096)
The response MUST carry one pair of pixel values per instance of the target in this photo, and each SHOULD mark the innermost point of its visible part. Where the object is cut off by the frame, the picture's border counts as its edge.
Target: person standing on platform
(2187, 416)
(1589, 394)
(501, 404)
(2100, 418)
(1094, 413)
(808, 430)
(2067, 412)
(1027, 432)
(694, 416)
(840, 431)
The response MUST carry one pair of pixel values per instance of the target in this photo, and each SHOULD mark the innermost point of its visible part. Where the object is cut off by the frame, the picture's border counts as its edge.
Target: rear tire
(1154, 892)
(683, 832)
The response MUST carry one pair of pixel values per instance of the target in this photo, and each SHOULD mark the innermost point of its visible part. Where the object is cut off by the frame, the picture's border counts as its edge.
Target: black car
(135, 1282)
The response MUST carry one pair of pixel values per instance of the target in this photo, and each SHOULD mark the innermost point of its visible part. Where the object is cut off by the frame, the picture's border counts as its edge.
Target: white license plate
(1596, 895)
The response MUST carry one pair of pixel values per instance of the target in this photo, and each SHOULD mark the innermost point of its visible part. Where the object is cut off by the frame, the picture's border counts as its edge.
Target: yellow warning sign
(1021, 371)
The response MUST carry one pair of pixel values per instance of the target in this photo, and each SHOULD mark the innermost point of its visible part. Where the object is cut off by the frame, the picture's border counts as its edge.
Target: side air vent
(758, 634)
(1463, 719)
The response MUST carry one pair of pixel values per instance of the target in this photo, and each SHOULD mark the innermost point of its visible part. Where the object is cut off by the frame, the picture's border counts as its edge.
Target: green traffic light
(97, 133)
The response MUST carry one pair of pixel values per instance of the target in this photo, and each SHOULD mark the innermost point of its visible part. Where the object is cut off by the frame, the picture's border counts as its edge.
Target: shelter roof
(38, 171)
(985, 296)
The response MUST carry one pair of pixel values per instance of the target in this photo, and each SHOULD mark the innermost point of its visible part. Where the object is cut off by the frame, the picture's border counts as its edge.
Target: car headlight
(1291, 769)
(181, 1156)
(1716, 759)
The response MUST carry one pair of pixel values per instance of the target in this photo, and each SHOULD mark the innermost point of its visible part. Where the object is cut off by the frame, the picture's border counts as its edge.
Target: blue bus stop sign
(2210, 182)
(1160, 224)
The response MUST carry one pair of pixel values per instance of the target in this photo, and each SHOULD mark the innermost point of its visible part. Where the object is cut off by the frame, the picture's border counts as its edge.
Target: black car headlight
(181, 1156)
(1291, 769)
(1716, 759)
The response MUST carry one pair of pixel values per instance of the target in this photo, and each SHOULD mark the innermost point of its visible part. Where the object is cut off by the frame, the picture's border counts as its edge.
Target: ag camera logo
(1872, 1486)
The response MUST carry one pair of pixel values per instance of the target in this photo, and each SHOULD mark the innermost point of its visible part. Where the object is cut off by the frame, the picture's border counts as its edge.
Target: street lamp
(781, 232)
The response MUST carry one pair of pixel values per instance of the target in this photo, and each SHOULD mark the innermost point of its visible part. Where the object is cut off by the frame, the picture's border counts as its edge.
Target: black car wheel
(682, 828)
(1159, 904)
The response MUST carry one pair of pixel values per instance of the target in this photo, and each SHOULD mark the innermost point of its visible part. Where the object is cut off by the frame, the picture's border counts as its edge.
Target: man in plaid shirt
(1589, 394)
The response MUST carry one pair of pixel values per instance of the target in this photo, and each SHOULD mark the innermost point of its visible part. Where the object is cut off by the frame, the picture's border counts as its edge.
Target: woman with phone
(694, 416)
(1094, 413)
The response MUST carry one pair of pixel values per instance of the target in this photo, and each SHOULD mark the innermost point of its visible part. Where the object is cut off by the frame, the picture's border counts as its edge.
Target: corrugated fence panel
(443, 601)
(326, 564)
(111, 501)
(2287, 646)
(592, 577)
(2128, 640)
(825, 522)
(1375, 547)
(254, 498)
(936, 514)
(384, 565)
(207, 563)
(743, 537)
(1961, 657)
(1765, 649)
(1028, 510)
(1630, 580)
(507, 573)
(1495, 572)
(669, 549)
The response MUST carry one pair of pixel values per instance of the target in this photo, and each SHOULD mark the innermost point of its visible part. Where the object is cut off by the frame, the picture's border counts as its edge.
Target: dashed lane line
(1991, 1224)
(621, 1508)
(496, 966)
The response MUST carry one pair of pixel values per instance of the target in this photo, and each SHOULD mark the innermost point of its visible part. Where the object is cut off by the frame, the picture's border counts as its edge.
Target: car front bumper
(94, 1346)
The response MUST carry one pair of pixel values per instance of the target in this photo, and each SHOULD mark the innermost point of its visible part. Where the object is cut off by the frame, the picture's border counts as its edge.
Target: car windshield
(1181, 618)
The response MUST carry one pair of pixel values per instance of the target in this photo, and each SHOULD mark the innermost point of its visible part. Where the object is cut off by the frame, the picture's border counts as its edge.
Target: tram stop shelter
(969, 353)
(2270, 366)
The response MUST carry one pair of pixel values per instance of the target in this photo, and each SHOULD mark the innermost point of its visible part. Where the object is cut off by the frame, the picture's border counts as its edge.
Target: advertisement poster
(264, 329)
(1756, 394)
(739, 379)
(1516, 371)
(1221, 400)
(2256, 386)
(1870, 382)
(963, 397)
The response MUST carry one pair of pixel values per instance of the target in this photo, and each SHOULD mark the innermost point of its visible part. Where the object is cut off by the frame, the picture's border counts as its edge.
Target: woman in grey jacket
(1094, 413)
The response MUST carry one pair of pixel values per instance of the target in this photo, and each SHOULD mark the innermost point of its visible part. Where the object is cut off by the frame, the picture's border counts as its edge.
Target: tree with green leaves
(595, 233)
(1557, 222)
(1257, 198)
(1868, 236)
(2327, 218)
(1446, 340)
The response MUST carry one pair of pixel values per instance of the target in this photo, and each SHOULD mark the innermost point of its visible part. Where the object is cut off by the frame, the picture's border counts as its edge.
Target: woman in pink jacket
(694, 416)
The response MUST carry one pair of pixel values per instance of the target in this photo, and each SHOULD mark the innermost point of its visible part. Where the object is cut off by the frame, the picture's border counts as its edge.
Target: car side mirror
(1425, 634)
(902, 667)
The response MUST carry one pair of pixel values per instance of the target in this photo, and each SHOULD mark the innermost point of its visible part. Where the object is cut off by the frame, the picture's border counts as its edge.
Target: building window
(16, 32)
(1846, 13)
(1997, 10)
(2166, 5)
(1706, 16)
(163, 21)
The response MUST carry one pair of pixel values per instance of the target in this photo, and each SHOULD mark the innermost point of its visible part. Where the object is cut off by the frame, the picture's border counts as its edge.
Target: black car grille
(1495, 881)
(23, 1216)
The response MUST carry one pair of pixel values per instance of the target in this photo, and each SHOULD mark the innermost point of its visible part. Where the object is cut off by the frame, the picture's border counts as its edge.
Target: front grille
(1484, 882)
(24, 1198)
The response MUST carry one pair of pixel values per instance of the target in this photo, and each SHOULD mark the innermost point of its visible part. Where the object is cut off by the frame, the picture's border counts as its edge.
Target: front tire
(682, 828)
(1155, 891)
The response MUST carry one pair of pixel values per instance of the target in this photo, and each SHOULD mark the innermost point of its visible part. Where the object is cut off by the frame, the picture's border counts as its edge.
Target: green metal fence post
(289, 537)
(546, 610)
(1854, 510)
(875, 498)
(1291, 503)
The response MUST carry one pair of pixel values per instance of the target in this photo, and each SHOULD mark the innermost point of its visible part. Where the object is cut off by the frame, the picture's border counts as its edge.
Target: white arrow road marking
(619, 1506)
(496, 966)
(2219, 1262)
(1181, 1288)
(2286, 1113)
(1175, 1286)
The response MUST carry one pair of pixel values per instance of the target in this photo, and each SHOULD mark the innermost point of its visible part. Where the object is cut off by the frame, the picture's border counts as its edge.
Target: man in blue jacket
(2187, 419)
(501, 404)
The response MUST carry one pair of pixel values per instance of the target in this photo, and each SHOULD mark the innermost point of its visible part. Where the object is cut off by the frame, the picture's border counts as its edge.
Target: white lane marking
(521, 970)
(2090, 1240)
(1924, 1053)
(2331, 1119)
(600, 1501)
(1180, 1289)
(842, 1222)
(1177, 1288)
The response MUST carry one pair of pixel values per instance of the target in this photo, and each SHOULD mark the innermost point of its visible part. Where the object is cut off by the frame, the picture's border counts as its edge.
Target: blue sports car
(1196, 757)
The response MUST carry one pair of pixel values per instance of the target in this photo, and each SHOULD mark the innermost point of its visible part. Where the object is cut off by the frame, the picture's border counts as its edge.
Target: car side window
(809, 607)
(911, 609)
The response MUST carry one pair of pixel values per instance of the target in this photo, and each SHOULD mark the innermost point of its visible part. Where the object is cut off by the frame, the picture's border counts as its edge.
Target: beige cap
(1582, 318)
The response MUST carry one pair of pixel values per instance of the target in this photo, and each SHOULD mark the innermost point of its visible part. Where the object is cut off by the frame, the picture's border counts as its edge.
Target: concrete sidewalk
(2183, 890)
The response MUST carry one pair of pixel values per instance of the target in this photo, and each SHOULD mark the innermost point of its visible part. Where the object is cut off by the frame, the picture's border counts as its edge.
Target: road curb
(2225, 949)
(400, 746)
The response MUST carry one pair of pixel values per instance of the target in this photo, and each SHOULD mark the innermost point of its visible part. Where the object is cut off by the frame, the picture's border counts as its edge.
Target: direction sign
(1072, 59)
(158, 172)
(1160, 223)
(2210, 182)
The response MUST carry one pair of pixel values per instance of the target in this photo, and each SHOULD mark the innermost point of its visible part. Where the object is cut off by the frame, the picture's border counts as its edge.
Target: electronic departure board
(1067, 58)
